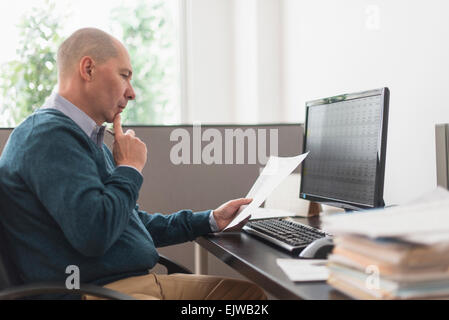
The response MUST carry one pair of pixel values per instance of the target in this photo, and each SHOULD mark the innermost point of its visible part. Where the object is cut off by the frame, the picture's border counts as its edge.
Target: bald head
(92, 42)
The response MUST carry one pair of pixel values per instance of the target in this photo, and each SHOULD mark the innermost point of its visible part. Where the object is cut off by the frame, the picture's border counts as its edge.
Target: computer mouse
(318, 249)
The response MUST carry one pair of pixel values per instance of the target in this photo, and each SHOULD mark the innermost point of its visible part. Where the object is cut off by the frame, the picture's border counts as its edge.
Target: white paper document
(263, 213)
(426, 222)
(275, 171)
(304, 270)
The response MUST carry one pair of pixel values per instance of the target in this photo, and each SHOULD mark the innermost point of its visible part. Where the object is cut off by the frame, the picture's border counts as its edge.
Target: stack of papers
(395, 253)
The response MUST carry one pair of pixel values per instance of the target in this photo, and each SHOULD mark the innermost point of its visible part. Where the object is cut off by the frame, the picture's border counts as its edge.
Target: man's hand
(128, 150)
(227, 212)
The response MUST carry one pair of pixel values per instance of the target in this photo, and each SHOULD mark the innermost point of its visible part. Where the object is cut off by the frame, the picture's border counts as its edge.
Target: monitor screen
(346, 136)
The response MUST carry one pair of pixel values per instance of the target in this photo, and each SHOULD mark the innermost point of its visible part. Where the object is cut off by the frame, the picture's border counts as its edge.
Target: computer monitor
(346, 136)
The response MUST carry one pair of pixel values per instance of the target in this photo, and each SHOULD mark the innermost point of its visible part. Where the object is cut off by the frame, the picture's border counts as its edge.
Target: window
(33, 31)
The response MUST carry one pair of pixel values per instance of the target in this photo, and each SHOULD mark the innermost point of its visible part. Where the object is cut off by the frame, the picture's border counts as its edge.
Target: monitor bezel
(381, 151)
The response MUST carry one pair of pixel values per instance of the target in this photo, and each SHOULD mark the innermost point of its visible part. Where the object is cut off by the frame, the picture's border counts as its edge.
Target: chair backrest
(8, 272)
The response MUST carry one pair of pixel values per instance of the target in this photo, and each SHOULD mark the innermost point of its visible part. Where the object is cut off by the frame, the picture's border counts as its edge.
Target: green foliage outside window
(26, 82)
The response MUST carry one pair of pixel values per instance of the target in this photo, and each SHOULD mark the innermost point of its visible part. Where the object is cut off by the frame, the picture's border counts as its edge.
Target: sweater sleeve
(174, 228)
(59, 167)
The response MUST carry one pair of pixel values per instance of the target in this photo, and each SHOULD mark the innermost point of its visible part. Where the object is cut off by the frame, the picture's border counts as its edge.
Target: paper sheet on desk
(275, 171)
(304, 270)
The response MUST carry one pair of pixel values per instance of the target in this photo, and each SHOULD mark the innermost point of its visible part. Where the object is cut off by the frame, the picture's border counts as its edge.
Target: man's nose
(130, 94)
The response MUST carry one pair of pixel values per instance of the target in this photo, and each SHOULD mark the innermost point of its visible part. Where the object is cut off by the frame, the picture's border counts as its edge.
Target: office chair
(11, 287)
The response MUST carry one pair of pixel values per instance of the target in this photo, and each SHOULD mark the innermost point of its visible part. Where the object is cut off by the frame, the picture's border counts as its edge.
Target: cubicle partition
(193, 167)
(4, 135)
(203, 179)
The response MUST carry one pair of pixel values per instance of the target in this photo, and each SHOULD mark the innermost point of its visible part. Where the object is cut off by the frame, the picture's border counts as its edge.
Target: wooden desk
(256, 260)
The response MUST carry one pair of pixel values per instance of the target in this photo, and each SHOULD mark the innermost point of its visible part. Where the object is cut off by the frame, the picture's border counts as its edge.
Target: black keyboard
(290, 235)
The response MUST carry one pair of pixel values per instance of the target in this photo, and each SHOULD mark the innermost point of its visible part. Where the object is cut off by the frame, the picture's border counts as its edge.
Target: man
(67, 200)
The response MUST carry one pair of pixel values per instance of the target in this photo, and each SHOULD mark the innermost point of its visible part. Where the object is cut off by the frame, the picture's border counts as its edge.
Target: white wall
(257, 61)
(334, 47)
(261, 60)
(233, 61)
(209, 79)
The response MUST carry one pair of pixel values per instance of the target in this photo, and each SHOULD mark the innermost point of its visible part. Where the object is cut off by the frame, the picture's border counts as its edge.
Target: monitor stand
(314, 209)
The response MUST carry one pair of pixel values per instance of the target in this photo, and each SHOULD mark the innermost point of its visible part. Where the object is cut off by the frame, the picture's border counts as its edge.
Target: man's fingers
(240, 202)
(118, 125)
(130, 132)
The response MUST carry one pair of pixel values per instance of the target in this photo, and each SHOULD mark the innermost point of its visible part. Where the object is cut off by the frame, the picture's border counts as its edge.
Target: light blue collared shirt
(91, 129)
(86, 123)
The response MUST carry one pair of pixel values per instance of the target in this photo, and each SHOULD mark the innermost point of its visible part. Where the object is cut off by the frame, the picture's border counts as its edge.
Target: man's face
(111, 88)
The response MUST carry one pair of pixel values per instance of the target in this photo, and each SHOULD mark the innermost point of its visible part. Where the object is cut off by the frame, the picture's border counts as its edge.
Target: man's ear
(86, 68)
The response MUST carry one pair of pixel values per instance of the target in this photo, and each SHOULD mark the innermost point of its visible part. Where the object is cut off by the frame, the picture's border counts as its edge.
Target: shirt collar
(86, 123)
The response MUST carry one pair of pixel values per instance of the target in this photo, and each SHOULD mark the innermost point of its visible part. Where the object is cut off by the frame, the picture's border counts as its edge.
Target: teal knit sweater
(64, 202)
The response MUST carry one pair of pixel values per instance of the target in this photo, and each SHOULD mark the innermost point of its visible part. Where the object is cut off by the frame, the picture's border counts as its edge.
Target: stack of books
(365, 268)
(394, 253)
